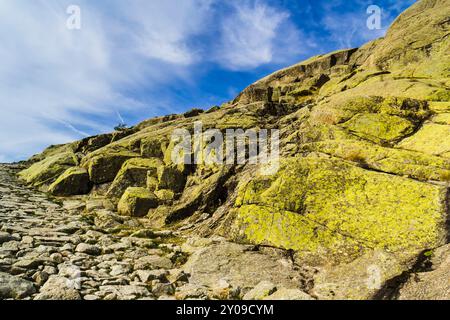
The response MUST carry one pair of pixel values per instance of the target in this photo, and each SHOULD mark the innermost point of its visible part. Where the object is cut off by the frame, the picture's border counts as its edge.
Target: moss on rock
(165, 195)
(74, 181)
(133, 173)
(47, 170)
(136, 202)
(432, 138)
(331, 207)
(152, 148)
(413, 164)
(379, 127)
(170, 177)
(104, 167)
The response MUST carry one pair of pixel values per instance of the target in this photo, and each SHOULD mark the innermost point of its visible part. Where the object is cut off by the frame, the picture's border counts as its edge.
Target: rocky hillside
(361, 201)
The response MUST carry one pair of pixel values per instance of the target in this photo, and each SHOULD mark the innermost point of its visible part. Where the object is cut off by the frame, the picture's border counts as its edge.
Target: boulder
(433, 281)
(202, 194)
(47, 170)
(169, 177)
(59, 288)
(151, 148)
(136, 202)
(133, 173)
(12, 287)
(73, 181)
(261, 291)
(103, 168)
(165, 195)
(152, 182)
(214, 260)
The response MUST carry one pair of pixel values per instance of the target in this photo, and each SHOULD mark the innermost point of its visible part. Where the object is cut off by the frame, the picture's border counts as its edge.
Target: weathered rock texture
(363, 185)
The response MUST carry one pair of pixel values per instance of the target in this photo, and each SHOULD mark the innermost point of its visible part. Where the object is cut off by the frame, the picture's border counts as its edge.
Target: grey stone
(12, 287)
(289, 294)
(149, 275)
(29, 263)
(120, 269)
(192, 291)
(126, 292)
(5, 237)
(153, 262)
(262, 290)
(159, 289)
(88, 249)
(58, 288)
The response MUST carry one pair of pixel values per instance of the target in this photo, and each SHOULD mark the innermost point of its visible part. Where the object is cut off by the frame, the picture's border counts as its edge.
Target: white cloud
(56, 84)
(256, 34)
(165, 26)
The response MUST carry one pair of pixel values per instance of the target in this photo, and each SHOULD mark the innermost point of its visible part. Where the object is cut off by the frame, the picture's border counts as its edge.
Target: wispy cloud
(58, 85)
(162, 29)
(256, 33)
(50, 75)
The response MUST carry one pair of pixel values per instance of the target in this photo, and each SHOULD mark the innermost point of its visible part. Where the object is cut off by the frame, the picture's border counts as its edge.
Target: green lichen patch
(133, 173)
(413, 164)
(431, 138)
(47, 170)
(165, 195)
(314, 204)
(104, 167)
(137, 202)
(379, 127)
(439, 107)
(441, 118)
(74, 181)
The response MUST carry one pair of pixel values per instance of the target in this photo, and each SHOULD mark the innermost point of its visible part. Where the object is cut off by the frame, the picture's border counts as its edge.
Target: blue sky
(137, 59)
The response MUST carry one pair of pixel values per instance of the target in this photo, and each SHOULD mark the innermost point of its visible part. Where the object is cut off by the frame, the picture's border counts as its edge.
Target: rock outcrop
(362, 190)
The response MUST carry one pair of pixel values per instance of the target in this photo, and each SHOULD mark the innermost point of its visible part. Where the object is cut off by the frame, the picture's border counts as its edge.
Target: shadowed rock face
(362, 189)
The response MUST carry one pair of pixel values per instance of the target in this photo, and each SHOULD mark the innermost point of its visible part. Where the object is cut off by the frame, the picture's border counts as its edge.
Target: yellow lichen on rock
(47, 170)
(431, 139)
(397, 161)
(73, 181)
(379, 127)
(133, 173)
(136, 202)
(316, 204)
(104, 167)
